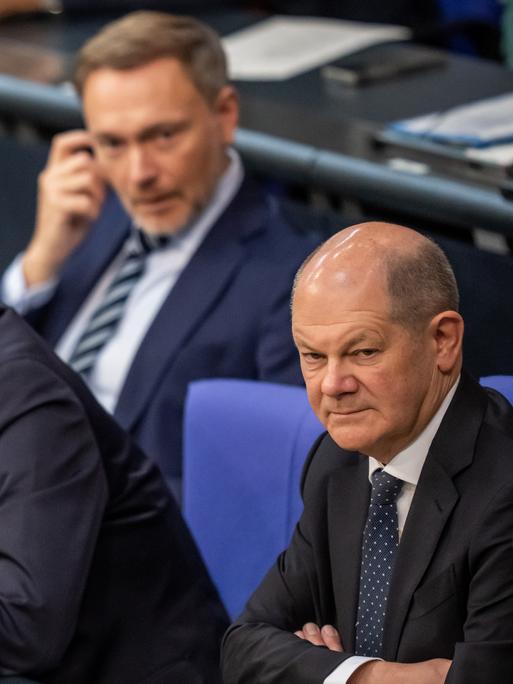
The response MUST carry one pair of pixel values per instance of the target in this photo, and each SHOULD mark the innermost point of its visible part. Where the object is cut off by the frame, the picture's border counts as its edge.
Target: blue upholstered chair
(501, 383)
(244, 446)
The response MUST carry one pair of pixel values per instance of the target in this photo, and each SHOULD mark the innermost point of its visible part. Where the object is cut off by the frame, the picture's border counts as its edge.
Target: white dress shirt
(163, 269)
(406, 466)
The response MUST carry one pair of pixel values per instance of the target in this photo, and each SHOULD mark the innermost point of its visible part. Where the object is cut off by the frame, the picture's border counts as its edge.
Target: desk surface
(279, 107)
(305, 110)
(345, 119)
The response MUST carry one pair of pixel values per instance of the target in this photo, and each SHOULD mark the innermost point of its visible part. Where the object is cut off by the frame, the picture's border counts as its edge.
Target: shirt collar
(408, 463)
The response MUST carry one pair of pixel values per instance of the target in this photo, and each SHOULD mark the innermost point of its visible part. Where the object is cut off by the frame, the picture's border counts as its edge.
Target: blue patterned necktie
(379, 547)
(105, 319)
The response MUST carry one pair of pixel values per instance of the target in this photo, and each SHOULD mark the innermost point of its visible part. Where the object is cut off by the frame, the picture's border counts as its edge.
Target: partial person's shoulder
(28, 376)
(284, 223)
(296, 226)
(481, 442)
(19, 340)
(324, 459)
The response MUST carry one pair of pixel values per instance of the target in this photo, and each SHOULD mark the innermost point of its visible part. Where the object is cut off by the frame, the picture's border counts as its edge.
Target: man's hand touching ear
(70, 197)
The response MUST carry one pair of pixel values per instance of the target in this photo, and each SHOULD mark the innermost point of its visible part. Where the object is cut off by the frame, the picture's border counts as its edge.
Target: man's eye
(365, 353)
(165, 134)
(312, 356)
(110, 144)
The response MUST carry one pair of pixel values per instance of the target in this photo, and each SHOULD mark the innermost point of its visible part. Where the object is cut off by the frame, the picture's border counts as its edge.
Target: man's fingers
(312, 633)
(68, 143)
(327, 636)
(331, 638)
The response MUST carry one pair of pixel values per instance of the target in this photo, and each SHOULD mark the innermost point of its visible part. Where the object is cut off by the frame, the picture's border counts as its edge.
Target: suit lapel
(85, 267)
(196, 292)
(348, 503)
(435, 498)
(436, 495)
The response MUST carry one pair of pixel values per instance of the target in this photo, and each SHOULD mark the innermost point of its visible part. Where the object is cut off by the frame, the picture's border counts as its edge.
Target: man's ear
(227, 109)
(446, 329)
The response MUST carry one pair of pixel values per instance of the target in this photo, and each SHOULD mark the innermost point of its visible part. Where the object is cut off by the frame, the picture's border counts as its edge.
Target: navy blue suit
(226, 316)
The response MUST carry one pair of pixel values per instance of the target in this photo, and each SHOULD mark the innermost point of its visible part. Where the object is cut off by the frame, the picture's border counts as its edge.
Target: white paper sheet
(500, 155)
(282, 47)
(478, 124)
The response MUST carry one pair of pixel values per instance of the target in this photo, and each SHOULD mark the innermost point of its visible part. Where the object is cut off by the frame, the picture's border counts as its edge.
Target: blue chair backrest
(244, 447)
(501, 383)
(245, 443)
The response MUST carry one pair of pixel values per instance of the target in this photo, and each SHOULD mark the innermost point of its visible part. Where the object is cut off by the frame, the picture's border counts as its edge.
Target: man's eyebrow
(300, 340)
(144, 134)
(157, 128)
(361, 337)
(365, 337)
(102, 136)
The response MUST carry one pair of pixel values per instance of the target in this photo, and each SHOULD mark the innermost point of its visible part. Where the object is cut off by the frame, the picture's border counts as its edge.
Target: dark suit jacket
(227, 315)
(100, 581)
(451, 593)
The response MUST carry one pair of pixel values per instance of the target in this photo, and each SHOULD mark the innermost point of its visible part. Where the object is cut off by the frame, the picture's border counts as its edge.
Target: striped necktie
(106, 318)
(379, 549)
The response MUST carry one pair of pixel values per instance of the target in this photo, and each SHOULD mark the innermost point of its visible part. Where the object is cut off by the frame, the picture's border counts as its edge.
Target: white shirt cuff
(15, 292)
(342, 673)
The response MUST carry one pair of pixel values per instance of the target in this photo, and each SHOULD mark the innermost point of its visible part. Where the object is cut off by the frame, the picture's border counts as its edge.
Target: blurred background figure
(184, 272)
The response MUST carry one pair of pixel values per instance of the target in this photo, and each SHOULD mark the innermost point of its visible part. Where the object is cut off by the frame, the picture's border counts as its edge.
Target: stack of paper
(282, 47)
(479, 124)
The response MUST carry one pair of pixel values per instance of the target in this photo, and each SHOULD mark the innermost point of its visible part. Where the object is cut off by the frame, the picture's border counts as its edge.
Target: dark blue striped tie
(379, 548)
(106, 318)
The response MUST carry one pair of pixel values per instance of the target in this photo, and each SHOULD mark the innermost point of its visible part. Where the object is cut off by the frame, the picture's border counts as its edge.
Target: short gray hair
(144, 36)
(420, 284)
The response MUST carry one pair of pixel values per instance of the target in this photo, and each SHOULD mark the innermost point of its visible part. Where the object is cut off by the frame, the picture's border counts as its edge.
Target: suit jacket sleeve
(486, 652)
(261, 645)
(52, 498)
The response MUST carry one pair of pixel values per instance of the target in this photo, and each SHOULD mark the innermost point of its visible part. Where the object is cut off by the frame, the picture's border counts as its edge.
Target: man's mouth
(154, 199)
(347, 412)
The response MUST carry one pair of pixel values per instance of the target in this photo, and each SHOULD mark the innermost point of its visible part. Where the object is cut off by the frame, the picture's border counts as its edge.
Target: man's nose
(142, 167)
(338, 379)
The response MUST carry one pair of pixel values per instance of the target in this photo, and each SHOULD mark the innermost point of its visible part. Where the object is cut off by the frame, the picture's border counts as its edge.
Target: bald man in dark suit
(400, 569)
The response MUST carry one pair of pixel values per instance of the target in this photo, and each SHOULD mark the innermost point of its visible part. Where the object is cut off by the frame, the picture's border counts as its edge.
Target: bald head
(408, 268)
(378, 336)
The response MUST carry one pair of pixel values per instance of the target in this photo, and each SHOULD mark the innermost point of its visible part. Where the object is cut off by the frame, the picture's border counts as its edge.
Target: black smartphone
(381, 62)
